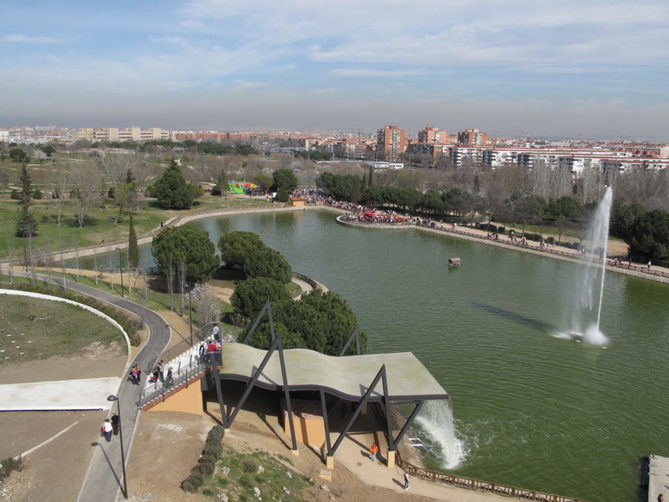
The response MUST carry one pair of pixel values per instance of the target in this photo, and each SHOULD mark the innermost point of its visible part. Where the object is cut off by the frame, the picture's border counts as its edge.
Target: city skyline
(521, 68)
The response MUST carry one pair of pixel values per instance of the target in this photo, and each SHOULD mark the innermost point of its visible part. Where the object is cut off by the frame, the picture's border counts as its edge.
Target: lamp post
(113, 398)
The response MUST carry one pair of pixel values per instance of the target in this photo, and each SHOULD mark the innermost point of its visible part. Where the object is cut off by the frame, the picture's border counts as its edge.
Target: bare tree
(58, 186)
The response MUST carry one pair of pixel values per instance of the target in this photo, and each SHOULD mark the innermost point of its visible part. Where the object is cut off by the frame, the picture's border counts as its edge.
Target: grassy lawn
(31, 329)
(100, 225)
(237, 474)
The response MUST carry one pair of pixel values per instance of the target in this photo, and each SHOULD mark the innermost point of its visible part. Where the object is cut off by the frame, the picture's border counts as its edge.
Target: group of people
(160, 375)
(111, 426)
(208, 348)
(135, 374)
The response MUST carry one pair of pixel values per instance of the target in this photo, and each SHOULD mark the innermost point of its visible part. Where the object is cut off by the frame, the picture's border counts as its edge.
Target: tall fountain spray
(590, 293)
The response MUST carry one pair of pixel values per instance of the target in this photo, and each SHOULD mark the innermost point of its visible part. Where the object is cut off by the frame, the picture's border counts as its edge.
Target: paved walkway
(102, 481)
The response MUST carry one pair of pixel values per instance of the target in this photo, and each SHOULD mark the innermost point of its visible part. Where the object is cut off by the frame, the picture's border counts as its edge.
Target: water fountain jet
(590, 290)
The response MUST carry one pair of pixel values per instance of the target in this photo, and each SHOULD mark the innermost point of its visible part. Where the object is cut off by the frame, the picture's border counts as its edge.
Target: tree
(282, 195)
(269, 263)
(319, 321)
(133, 249)
(284, 178)
(263, 180)
(237, 246)
(26, 226)
(48, 150)
(187, 248)
(250, 295)
(649, 237)
(18, 155)
(172, 190)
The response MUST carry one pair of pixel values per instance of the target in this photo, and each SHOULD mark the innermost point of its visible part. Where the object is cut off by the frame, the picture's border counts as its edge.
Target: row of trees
(646, 232)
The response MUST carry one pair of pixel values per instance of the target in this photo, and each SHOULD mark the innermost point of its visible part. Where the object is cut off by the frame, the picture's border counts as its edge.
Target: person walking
(169, 380)
(115, 423)
(216, 332)
(106, 429)
(133, 374)
(406, 481)
(139, 373)
(373, 451)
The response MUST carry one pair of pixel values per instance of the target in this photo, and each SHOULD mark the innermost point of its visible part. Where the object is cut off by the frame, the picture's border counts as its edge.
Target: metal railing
(188, 367)
(477, 484)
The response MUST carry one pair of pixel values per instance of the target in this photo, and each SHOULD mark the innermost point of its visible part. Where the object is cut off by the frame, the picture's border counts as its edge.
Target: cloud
(33, 39)
(366, 72)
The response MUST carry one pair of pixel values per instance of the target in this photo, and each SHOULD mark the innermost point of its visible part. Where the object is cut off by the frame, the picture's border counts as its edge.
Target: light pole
(113, 398)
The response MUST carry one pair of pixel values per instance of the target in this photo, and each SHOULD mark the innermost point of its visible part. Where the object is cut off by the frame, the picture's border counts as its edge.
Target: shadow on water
(517, 318)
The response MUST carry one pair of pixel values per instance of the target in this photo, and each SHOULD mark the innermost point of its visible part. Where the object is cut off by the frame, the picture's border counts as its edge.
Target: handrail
(478, 484)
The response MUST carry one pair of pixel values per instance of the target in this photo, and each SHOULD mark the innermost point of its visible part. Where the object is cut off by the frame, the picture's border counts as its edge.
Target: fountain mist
(437, 422)
(584, 323)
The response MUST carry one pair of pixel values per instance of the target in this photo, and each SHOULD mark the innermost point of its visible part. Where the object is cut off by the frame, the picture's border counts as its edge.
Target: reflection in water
(512, 316)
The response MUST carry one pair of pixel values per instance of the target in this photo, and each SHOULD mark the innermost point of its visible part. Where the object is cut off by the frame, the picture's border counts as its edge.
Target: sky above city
(518, 67)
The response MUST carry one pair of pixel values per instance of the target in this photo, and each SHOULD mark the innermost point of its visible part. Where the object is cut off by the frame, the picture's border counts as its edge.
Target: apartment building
(472, 137)
(391, 143)
(433, 136)
(116, 134)
(460, 153)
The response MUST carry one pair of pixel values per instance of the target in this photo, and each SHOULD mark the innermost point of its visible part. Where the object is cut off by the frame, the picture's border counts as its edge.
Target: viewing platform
(658, 478)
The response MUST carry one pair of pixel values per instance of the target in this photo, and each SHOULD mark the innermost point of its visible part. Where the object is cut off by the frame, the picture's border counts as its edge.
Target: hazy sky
(544, 67)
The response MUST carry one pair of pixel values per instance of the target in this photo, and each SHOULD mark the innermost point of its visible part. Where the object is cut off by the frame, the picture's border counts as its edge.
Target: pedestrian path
(102, 481)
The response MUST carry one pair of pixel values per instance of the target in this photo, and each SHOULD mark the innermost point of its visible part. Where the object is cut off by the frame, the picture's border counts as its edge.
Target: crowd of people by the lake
(357, 213)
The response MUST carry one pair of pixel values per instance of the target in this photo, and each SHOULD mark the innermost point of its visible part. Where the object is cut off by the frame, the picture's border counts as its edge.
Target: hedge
(206, 464)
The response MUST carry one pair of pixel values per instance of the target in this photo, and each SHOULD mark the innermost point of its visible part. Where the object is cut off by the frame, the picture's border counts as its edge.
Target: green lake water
(533, 410)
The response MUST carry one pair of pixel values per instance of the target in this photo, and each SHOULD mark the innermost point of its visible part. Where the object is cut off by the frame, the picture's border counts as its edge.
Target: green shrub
(501, 230)
(550, 240)
(14, 195)
(250, 466)
(206, 464)
(9, 465)
(192, 482)
(37, 194)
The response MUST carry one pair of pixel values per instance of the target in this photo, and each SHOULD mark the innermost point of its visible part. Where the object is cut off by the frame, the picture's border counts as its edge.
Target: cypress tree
(26, 226)
(133, 249)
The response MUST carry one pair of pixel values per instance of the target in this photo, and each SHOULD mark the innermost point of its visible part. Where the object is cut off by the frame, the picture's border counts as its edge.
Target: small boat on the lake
(454, 262)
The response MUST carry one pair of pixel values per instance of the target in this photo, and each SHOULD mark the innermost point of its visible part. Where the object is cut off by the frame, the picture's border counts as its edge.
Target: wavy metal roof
(346, 377)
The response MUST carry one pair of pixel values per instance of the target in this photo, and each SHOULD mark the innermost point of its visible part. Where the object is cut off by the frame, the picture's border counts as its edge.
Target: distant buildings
(116, 134)
(433, 136)
(472, 137)
(391, 143)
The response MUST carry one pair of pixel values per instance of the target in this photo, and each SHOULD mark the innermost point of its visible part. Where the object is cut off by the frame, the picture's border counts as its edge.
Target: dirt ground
(93, 362)
(167, 445)
(67, 456)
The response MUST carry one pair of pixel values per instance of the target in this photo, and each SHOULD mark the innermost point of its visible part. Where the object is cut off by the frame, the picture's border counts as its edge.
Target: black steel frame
(354, 334)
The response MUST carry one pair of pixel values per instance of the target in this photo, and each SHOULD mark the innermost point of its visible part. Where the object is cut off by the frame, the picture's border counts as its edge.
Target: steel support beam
(380, 375)
(255, 324)
(355, 334)
(394, 442)
(286, 390)
(228, 422)
(326, 421)
(216, 375)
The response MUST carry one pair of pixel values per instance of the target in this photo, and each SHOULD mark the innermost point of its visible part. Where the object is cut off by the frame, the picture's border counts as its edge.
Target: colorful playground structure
(240, 187)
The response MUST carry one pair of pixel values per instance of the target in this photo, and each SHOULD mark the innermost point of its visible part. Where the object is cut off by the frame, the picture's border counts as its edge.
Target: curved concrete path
(102, 481)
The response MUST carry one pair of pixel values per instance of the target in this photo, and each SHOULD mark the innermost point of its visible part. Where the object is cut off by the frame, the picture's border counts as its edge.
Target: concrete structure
(79, 394)
(187, 400)
(391, 143)
(658, 478)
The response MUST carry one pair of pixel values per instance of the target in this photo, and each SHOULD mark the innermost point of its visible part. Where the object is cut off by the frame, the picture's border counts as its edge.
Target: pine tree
(133, 249)
(26, 226)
